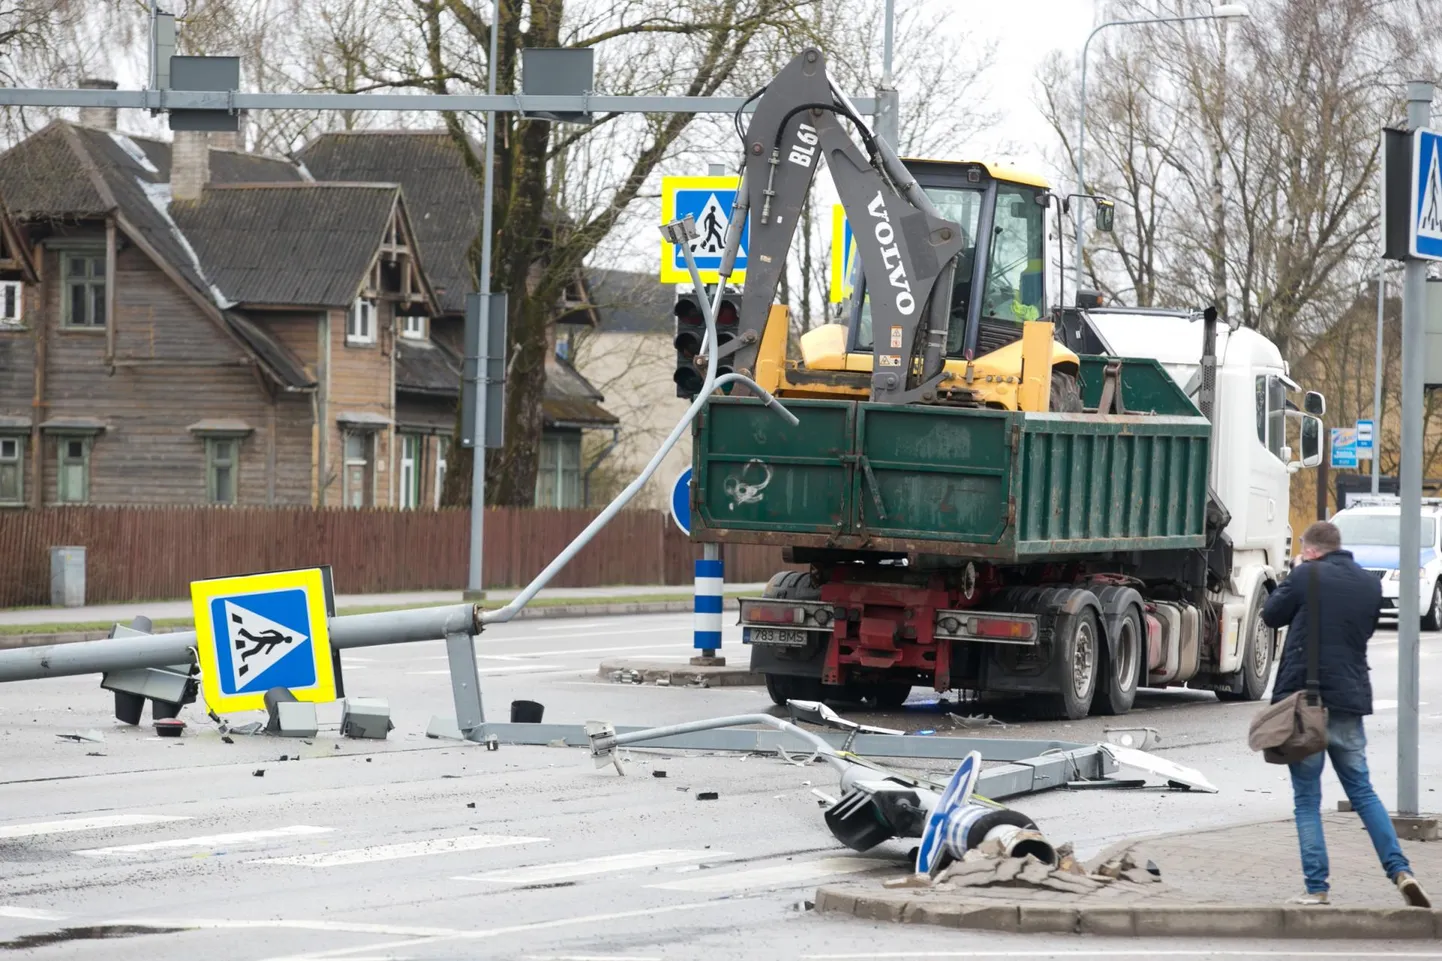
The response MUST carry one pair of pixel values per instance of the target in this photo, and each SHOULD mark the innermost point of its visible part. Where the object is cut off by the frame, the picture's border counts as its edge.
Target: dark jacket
(1351, 600)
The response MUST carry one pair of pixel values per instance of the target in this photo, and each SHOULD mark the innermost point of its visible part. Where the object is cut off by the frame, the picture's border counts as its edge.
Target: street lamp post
(1224, 11)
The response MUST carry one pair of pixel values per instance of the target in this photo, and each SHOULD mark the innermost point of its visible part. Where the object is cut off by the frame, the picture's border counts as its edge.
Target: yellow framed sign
(709, 201)
(263, 631)
(843, 254)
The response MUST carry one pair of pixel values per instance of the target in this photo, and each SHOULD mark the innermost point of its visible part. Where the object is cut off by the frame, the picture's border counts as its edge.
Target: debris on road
(707, 795)
(664, 680)
(470, 804)
(227, 739)
(493, 743)
(626, 676)
(658, 773)
(1124, 867)
(94, 754)
(169, 727)
(92, 735)
(258, 772)
(1161, 767)
(1139, 738)
(368, 718)
(975, 720)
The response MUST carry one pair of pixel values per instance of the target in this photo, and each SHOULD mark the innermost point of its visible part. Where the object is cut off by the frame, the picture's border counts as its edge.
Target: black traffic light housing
(691, 333)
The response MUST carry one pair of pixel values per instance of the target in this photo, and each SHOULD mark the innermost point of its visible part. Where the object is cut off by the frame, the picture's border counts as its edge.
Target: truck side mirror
(1314, 403)
(1106, 214)
(1311, 441)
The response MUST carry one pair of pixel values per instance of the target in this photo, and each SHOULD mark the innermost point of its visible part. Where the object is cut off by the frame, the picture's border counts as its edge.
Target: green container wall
(1146, 387)
(989, 484)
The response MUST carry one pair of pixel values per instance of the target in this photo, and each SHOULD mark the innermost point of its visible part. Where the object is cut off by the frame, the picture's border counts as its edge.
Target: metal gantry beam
(474, 103)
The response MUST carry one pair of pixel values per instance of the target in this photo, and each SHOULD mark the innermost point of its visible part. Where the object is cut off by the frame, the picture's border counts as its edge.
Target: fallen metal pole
(162, 650)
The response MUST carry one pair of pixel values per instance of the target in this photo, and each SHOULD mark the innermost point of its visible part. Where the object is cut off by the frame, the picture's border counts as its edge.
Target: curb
(1136, 920)
(686, 606)
(684, 675)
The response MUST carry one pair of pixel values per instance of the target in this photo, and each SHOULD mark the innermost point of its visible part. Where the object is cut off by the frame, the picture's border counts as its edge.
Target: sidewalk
(1229, 882)
(157, 610)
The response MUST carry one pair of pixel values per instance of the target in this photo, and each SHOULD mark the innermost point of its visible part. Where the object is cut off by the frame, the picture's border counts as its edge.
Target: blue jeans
(1347, 746)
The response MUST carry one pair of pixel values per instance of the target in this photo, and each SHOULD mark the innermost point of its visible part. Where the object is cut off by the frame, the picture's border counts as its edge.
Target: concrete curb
(1133, 920)
(12, 641)
(682, 674)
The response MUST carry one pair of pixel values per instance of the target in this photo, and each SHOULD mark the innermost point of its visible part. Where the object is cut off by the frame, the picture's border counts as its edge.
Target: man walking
(1350, 600)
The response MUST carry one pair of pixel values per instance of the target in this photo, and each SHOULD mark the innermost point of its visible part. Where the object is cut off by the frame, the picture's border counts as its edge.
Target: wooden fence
(151, 553)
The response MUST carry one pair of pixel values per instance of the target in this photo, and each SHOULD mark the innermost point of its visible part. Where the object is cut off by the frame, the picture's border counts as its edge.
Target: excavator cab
(999, 287)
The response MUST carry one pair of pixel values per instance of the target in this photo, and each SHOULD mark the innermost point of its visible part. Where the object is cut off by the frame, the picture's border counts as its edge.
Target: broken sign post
(263, 631)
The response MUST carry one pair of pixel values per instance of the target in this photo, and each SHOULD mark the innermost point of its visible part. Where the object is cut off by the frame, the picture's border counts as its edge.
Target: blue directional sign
(263, 631)
(1426, 219)
(1365, 430)
(1344, 447)
(708, 200)
(681, 502)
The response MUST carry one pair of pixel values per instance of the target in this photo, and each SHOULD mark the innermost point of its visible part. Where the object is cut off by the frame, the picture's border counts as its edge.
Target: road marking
(9, 831)
(778, 876)
(568, 627)
(370, 949)
(591, 866)
(1113, 953)
(29, 914)
(208, 840)
(518, 669)
(589, 957)
(406, 849)
(982, 955)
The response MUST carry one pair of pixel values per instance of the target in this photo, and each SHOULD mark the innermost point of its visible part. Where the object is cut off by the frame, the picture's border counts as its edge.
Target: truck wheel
(1256, 658)
(1066, 395)
(889, 694)
(1078, 651)
(1432, 618)
(1120, 667)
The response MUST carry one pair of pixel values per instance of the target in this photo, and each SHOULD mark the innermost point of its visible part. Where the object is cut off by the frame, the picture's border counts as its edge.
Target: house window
(360, 326)
(83, 280)
(222, 460)
(443, 448)
(357, 478)
(413, 327)
(12, 302)
(558, 477)
(410, 493)
(73, 479)
(12, 470)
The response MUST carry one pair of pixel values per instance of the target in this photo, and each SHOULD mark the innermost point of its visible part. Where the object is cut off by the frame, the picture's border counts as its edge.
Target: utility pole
(888, 101)
(475, 584)
(1377, 381)
(1414, 300)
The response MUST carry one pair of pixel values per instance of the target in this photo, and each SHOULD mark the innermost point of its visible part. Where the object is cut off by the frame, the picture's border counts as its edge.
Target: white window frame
(14, 460)
(443, 445)
(366, 462)
(413, 327)
(412, 454)
(12, 292)
(360, 324)
(213, 465)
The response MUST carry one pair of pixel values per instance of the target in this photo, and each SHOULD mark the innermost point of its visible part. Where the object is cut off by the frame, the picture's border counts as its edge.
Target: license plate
(773, 635)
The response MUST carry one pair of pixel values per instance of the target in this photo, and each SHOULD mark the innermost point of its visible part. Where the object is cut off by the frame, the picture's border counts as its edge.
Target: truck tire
(1120, 666)
(1256, 669)
(792, 585)
(1066, 395)
(1432, 616)
(1078, 645)
(888, 694)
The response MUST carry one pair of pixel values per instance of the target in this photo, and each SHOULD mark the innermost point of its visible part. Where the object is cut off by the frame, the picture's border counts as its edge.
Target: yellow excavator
(955, 313)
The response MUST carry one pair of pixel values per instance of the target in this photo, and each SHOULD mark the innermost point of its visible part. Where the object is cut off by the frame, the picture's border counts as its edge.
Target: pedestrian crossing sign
(708, 200)
(1426, 219)
(263, 631)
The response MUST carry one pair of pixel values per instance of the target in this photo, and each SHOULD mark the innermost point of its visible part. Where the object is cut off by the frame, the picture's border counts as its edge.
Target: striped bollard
(710, 590)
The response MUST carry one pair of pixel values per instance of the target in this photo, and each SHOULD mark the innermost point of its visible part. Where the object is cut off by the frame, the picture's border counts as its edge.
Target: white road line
(29, 914)
(591, 866)
(589, 957)
(518, 669)
(208, 840)
(568, 627)
(8, 831)
(1113, 953)
(983, 955)
(778, 876)
(406, 849)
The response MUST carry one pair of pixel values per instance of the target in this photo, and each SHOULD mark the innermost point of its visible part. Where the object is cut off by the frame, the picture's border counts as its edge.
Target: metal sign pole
(1414, 299)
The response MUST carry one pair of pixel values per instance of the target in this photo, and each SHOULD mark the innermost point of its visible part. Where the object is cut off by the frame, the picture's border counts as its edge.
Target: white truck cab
(1371, 528)
(1252, 456)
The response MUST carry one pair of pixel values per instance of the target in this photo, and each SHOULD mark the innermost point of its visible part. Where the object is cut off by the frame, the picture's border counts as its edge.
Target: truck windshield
(1380, 530)
(959, 205)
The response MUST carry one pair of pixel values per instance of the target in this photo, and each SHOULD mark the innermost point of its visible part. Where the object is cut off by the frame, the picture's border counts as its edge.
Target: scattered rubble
(981, 870)
(92, 735)
(707, 795)
(975, 720)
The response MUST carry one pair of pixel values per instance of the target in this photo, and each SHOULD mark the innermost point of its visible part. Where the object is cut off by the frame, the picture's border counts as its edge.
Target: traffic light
(690, 333)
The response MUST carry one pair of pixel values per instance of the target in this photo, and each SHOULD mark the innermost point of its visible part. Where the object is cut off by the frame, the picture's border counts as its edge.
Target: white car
(1370, 531)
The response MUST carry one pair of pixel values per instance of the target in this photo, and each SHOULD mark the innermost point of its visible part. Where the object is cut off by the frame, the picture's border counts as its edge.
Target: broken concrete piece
(1009, 869)
(910, 881)
(1033, 872)
(1140, 876)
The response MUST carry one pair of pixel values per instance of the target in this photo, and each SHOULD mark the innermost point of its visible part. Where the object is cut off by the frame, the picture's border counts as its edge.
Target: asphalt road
(137, 847)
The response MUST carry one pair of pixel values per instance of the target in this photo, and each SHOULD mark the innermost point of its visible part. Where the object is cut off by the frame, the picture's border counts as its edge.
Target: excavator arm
(901, 238)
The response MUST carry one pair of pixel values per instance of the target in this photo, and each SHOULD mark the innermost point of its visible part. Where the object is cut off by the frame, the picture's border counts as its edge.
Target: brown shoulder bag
(1296, 727)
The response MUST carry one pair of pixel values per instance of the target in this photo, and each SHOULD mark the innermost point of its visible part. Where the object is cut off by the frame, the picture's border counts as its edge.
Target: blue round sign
(681, 502)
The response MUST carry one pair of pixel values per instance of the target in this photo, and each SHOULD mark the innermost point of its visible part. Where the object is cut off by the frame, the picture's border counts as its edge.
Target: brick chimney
(231, 139)
(189, 164)
(102, 117)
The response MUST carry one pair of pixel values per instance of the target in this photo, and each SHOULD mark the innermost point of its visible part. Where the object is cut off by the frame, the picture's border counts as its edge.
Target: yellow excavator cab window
(1014, 287)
